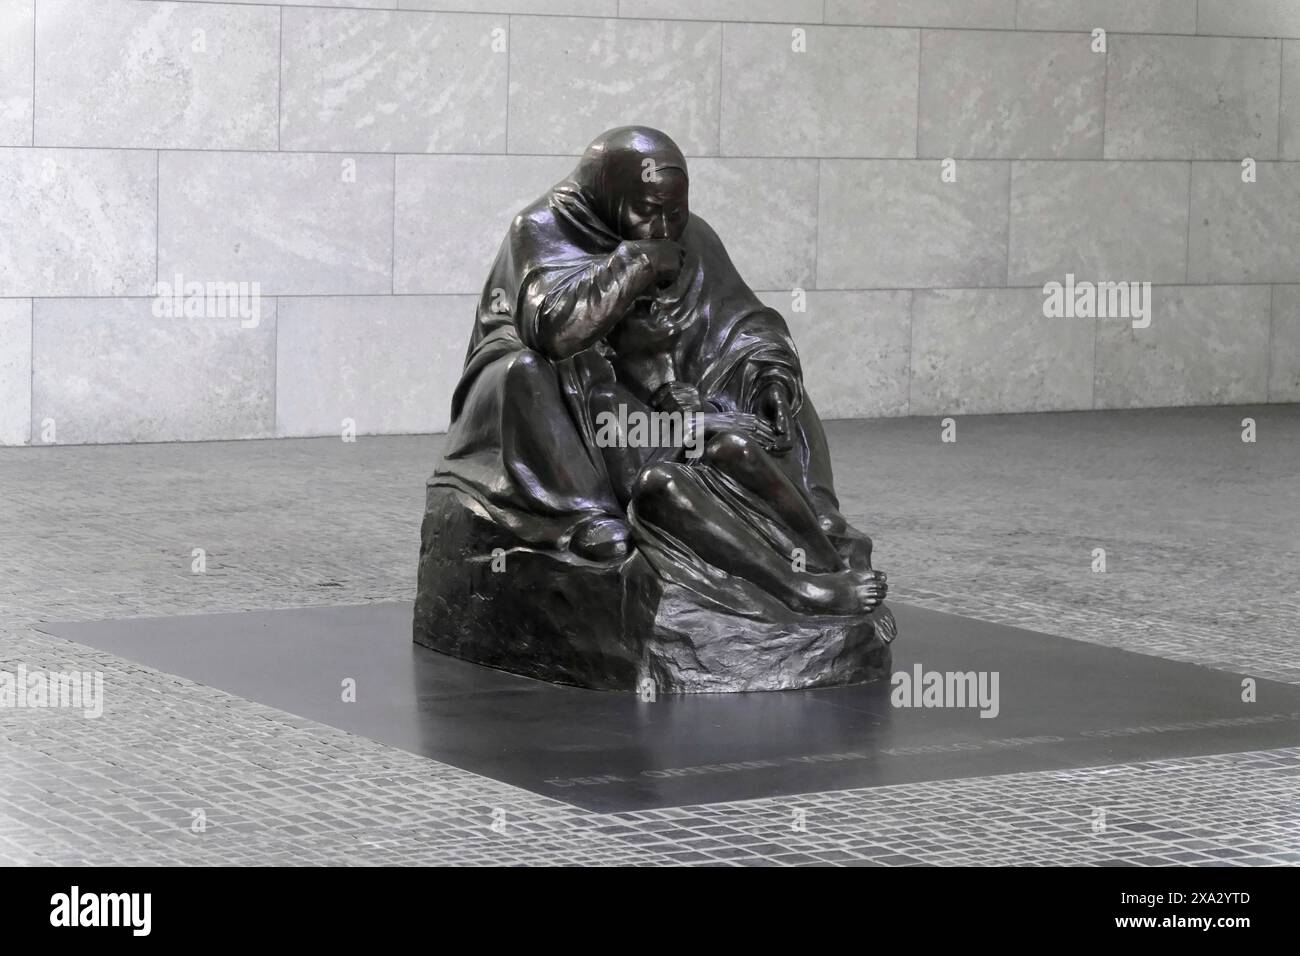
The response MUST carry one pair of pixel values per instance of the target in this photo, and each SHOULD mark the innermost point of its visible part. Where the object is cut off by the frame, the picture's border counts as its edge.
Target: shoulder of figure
(536, 213)
(698, 226)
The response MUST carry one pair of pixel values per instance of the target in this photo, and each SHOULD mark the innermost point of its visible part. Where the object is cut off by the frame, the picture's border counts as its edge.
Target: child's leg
(622, 461)
(668, 498)
(747, 463)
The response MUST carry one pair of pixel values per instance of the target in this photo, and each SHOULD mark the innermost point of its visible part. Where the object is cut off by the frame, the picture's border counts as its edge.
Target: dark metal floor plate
(1062, 704)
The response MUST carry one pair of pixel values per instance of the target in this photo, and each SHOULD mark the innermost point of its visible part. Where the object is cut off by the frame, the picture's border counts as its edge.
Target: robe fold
(521, 442)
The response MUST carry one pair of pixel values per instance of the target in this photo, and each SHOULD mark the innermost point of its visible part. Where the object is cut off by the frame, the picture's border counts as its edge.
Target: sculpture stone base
(555, 617)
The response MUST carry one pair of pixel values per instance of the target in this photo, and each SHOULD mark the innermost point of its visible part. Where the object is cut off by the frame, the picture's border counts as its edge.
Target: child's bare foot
(843, 592)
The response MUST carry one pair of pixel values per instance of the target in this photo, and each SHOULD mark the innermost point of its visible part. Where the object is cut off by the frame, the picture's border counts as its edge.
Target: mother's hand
(665, 256)
(773, 407)
(751, 426)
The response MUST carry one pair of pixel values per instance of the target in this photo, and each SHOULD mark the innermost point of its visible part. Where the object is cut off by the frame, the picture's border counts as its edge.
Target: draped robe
(521, 443)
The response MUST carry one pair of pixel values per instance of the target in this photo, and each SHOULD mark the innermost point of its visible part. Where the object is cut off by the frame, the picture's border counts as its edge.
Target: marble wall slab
(1098, 220)
(992, 350)
(854, 348)
(197, 76)
(1245, 232)
(1114, 16)
(1284, 346)
(325, 3)
(572, 78)
(298, 223)
(16, 57)
(454, 211)
(77, 221)
(394, 81)
(110, 370)
(15, 371)
(995, 14)
(1289, 120)
(577, 8)
(365, 162)
(387, 363)
(895, 224)
(778, 101)
(1258, 18)
(750, 11)
(1010, 95)
(1192, 98)
(1206, 345)
(765, 212)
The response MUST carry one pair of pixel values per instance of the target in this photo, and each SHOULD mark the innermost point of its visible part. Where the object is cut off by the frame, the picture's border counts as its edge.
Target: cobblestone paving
(1200, 530)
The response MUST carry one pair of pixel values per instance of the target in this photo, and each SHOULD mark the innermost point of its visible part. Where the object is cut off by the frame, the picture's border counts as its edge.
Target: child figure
(739, 445)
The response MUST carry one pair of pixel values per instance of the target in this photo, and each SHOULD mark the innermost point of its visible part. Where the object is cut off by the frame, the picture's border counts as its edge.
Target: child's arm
(675, 396)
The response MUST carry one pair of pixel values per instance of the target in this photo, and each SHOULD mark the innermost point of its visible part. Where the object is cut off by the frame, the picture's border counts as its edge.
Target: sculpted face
(655, 210)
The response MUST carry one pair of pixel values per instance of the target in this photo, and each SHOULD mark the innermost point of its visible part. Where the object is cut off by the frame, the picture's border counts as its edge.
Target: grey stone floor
(1201, 532)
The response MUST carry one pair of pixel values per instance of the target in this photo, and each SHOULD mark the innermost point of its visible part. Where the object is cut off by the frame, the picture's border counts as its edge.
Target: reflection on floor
(1199, 532)
(1003, 700)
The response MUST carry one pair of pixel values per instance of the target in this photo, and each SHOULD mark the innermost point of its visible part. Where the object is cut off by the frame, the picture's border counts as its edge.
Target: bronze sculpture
(558, 545)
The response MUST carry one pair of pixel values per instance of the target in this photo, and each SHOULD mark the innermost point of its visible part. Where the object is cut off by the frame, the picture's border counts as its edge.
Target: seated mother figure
(609, 291)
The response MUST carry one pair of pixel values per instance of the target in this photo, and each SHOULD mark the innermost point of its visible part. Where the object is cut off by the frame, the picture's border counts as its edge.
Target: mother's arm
(773, 376)
(773, 407)
(564, 312)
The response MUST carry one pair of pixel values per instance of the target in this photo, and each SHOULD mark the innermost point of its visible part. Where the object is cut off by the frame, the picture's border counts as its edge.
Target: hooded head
(634, 178)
